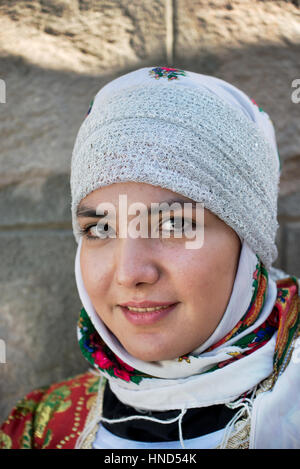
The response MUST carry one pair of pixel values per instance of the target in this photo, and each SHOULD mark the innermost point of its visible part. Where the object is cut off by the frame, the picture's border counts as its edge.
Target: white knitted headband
(193, 134)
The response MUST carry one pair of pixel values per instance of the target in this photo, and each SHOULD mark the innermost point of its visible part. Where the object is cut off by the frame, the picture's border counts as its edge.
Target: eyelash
(84, 230)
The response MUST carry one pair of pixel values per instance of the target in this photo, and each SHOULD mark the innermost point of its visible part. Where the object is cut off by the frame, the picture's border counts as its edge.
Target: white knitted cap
(193, 134)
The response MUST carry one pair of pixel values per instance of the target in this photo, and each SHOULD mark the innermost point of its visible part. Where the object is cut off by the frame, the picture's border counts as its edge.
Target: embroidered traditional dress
(54, 417)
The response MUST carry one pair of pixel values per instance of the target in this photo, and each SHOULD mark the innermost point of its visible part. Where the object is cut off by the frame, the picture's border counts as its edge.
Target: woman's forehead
(135, 191)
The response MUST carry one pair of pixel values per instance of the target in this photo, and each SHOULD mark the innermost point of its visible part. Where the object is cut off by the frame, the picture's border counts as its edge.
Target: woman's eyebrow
(90, 212)
(87, 212)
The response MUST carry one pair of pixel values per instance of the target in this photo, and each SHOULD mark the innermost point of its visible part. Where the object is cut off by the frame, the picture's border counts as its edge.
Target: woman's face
(120, 270)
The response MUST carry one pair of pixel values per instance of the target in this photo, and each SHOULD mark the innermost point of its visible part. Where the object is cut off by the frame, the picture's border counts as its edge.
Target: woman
(190, 345)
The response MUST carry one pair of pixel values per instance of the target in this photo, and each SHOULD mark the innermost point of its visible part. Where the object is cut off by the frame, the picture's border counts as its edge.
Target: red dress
(50, 418)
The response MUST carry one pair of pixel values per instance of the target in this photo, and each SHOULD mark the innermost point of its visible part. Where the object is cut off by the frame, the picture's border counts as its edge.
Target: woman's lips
(147, 317)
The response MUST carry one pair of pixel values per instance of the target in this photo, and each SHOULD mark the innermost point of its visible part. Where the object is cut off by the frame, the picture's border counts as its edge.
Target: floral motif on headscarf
(99, 354)
(90, 107)
(170, 73)
(285, 317)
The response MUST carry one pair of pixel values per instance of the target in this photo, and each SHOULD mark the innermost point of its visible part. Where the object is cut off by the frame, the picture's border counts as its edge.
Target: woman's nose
(135, 262)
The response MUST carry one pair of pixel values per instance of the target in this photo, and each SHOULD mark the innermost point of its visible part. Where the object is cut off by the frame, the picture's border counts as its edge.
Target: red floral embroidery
(102, 360)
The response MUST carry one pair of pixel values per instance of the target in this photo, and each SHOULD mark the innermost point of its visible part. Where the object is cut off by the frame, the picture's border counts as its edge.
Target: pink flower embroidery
(122, 374)
(124, 365)
(102, 360)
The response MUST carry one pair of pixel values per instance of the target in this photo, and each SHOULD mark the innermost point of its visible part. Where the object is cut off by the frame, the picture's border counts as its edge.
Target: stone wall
(54, 56)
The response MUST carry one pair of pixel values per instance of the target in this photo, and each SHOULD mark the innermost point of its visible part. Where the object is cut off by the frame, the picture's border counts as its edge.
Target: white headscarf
(193, 134)
(123, 101)
(182, 383)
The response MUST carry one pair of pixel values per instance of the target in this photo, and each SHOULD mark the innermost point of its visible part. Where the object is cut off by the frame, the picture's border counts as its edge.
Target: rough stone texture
(292, 248)
(54, 56)
(36, 200)
(289, 205)
(85, 36)
(289, 216)
(39, 307)
(290, 183)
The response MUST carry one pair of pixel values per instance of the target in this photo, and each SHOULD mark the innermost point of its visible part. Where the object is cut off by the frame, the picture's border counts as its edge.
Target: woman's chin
(153, 354)
(148, 356)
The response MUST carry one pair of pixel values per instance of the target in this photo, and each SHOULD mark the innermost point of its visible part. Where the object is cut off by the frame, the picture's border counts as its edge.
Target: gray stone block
(289, 205)
(55, 56)
(292, 261)
(39, 200)
(84, 36)
(39, 308)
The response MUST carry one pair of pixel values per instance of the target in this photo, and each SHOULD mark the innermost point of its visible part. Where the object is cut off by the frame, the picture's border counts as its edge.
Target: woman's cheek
(90, 274)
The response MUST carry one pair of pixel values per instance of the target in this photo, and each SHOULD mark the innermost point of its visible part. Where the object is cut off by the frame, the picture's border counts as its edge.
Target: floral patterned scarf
(284, 318)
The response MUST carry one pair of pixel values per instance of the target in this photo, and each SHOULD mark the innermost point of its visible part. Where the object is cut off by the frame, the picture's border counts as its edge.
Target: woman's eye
(178, 224)
(99, 231)
(172, 224)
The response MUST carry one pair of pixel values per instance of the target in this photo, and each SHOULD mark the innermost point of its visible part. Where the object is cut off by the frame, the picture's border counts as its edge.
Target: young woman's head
(159, 135)
(161, 270)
